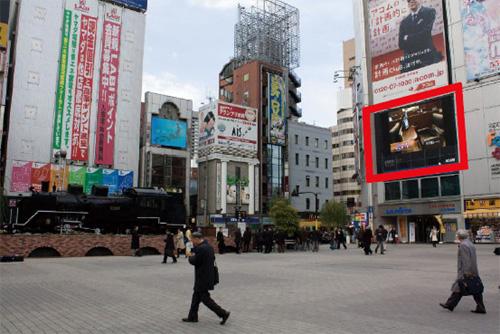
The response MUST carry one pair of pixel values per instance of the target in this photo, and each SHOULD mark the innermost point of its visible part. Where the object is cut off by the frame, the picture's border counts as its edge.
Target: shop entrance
(423, 226)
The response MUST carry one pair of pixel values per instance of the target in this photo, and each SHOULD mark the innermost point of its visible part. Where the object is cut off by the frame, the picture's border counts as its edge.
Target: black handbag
(471, 285)
(216, 274)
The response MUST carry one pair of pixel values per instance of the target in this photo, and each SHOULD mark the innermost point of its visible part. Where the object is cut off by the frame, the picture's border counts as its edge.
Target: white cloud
(169, 84)
(222, 4)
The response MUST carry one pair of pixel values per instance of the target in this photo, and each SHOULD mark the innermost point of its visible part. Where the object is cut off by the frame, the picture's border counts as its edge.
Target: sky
(188, 42)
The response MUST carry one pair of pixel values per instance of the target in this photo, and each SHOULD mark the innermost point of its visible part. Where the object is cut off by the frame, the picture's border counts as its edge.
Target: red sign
(40, 172)
(106, 115)
(83, 89)
(462, 164)
(21, 176)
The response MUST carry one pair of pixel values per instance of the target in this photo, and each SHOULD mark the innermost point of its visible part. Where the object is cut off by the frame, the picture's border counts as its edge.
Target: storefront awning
(482, 213)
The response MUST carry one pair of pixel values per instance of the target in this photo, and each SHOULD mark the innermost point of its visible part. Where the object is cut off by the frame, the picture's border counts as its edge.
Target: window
(308, 204)
(326, 183)
(336, 169)
(296, 159)
(246, 76)
(336, 157)
(392, 191)
(296, 139)
(348, 143)
(326, 144)
(326, 163)
(316, 142)
(307, 159)
(308, 181)
(335, 145)
(317, 181)
(317, 162)
(410, 189)
(450, 185)
(307, 141)
(430, 187)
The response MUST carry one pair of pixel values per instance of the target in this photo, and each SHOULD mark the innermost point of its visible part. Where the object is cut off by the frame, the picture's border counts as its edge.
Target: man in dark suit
(203, 260)
(415, 38)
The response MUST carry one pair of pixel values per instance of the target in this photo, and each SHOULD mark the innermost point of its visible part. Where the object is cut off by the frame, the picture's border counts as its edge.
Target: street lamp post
(296, 193)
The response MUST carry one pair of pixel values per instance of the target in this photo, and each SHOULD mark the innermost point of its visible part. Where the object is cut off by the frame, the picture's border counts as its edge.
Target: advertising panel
(418, 135)
(4, 22)
(75, 79)
(125, 179)
(277, 108)
(141, 5)
(167, 132)
(21, 176)
(77, 175)
(108, 86)
(110, 180)
(94, 176)
(84, 79)
(58, 177)
(236, 127)
(407, 46)
(237, 186)
(481, 29)
(40, 172)
(206, 120)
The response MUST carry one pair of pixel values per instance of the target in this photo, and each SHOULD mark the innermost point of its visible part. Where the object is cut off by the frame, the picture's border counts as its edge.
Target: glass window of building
(326, 183)
(429, 187)
(410, 189)
(326, 144)
(392, 191)
(450, 185)
(307, 141)
(308, 204)
(316, 142)
(296, 159)
(326, 163)
(274, 170)
(307, 160)
(308, 181)
(317, 162)
(296, 139)
(246, 76)
(317, 181)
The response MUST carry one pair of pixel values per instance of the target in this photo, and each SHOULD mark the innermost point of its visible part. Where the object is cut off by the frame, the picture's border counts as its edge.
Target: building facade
(73, 95)
(166, 144)
(466, 55)
(346, 187)
(310, 166)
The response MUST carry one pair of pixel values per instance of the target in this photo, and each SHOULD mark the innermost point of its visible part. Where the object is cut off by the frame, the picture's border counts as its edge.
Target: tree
(284, 216)
(333, 214)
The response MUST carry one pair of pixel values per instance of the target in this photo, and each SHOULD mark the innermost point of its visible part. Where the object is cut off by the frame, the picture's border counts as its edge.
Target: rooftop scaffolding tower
(268, 32)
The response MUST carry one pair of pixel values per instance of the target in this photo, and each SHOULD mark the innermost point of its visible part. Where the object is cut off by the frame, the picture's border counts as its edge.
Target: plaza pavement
(296, 292)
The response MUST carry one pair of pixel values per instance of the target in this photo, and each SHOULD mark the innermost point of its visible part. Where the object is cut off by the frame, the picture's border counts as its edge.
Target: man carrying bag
(206, 276)
(468, 281)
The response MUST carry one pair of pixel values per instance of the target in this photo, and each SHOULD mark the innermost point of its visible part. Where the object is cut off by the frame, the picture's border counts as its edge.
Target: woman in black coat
(169, 248)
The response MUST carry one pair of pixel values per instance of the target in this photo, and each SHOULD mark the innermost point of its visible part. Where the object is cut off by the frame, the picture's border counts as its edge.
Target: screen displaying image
(170, 133)
(419, 135)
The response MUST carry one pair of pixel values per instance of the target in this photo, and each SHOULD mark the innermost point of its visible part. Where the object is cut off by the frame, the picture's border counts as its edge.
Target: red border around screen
(463, 162)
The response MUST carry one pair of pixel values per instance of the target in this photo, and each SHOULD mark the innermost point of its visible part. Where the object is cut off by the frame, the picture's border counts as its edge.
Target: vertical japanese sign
(84, 81)
(481, 26)
(74, 87)
(21, 176)
(277, 111)
(407, 47)
(4, 22)
(108, 86)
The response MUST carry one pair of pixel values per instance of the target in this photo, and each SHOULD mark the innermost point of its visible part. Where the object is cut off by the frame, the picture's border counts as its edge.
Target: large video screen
(417, 135)
(169, 133)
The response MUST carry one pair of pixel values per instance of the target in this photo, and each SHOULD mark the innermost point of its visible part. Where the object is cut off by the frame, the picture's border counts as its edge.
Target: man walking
(380, 235)
(203, 260)
(315, 240)
(237, 240)
(247, 237)
(220, 241)
(367, 240)
(466, 268)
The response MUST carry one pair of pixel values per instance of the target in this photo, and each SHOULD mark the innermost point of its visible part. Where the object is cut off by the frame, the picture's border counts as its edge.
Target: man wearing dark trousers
(415, 37)
(203, 260)
(466, 266)
(237, 240)
(247, 237)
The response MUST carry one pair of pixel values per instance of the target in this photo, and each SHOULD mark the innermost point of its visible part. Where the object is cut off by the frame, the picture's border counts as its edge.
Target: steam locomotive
(44, 212)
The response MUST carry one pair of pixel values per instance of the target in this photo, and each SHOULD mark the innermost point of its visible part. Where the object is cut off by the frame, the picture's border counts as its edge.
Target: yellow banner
(3, 34)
